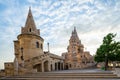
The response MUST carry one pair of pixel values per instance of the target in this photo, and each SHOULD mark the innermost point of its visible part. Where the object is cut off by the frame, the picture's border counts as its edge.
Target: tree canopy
(109, 48)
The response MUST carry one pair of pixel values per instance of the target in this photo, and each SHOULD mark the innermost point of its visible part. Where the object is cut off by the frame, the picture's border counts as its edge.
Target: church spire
(30, 27)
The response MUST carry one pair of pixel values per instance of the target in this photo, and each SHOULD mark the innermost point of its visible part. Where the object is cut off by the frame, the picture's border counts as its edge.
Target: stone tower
(76, 57)
(75, 48)
(29, 43)
(75, 45)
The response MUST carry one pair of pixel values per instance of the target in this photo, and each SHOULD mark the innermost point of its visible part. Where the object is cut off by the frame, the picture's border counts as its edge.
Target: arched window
(30, 29)
(37, 44)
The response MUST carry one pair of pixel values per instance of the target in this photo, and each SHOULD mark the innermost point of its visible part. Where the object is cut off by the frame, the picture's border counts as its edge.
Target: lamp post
(48, 47)
(105, 62)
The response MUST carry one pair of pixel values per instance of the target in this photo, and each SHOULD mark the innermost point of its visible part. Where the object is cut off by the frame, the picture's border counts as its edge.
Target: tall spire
(74, 32)
(30, 27)
(30, 21)
(74, 35)
(74, 29)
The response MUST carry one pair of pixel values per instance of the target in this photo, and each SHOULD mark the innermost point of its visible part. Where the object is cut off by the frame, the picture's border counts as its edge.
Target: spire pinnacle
(29, 7)
(74, 29)
(30, 27)
(30, 21)
(74, 33)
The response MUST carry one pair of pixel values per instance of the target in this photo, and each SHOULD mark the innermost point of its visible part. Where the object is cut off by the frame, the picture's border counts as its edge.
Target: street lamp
(105, 62)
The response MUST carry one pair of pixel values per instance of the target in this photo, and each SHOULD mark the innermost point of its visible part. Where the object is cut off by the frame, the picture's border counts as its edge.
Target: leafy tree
(109, 50)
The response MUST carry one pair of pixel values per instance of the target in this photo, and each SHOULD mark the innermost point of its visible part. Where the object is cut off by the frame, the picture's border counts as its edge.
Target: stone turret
(74, 43)
(29, 43)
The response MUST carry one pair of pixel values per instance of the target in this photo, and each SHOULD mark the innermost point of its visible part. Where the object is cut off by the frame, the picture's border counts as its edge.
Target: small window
(30, 29)
(37, 44)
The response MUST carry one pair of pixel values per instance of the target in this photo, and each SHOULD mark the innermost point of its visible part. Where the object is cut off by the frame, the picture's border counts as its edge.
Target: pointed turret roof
(30, 21)
(30, 27)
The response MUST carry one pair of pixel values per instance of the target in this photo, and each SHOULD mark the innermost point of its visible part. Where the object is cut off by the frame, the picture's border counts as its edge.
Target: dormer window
(30, 30)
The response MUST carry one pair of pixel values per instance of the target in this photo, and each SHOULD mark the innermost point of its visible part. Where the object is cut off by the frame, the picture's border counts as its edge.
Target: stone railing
(117, 72)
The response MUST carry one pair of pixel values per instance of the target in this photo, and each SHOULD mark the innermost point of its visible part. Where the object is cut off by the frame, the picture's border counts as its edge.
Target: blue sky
(56, 20)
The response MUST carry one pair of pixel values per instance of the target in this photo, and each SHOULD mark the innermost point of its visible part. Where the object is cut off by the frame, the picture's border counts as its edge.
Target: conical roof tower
(30, 27)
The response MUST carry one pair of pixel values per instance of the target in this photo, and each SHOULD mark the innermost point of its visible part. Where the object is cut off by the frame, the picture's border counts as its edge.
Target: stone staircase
(66, 75)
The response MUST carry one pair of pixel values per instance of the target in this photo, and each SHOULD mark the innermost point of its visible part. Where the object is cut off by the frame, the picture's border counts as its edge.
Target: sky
(56, 19)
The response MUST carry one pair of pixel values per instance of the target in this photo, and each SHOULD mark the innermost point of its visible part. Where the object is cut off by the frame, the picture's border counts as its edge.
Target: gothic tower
(29, 43)
(75, 45)
(76, 57)
(75, 48)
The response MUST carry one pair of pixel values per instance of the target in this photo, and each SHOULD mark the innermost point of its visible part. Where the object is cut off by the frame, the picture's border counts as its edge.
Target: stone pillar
(60, 66)
(49, 66)
(42, 65)
(53, 66)
(57, 66)
(63, 66)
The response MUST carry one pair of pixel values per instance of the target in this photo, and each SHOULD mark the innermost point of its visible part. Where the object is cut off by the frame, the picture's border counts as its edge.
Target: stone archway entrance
(38, 67)
(46, 66)
(66, 66)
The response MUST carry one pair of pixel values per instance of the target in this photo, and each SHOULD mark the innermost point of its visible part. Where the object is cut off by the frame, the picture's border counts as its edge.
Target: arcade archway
(46, 66)
(38, 67)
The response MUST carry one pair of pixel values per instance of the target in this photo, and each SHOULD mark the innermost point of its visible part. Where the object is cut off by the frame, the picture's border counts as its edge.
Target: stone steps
(65, 76)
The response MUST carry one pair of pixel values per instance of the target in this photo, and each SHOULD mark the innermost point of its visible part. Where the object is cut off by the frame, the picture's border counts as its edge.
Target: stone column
(42, 65)
(63, 66)
(60, 66)
(57, 66)
(49, 66)
(53, 66)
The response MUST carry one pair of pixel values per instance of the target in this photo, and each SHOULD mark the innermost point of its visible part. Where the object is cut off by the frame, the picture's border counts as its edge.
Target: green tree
(109, 50)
